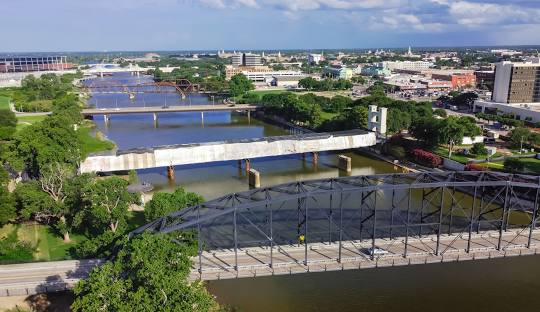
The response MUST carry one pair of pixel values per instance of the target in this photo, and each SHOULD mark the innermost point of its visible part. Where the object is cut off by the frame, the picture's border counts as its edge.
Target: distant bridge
(335, 224)
(185, 154)
(168, 109)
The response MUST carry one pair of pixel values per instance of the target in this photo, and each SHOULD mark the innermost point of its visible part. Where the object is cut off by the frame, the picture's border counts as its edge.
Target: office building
(409, 65)
(516, 91)
(315, 58)
(517, 83)
(246, 59)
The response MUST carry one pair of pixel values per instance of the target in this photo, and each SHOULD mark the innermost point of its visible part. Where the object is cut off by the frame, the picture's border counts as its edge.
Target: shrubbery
(475, 167)
(425, 158)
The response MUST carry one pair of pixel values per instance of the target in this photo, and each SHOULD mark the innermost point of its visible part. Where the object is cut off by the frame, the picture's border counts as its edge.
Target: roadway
(253, 262)
(168, 109)
(31, 278)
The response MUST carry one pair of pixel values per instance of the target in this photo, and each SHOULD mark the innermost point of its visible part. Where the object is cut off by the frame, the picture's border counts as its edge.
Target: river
(493, 285)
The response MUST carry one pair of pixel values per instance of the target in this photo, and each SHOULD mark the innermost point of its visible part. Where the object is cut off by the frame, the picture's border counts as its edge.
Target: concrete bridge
(185, 154)
(359, 222)
(154, 110)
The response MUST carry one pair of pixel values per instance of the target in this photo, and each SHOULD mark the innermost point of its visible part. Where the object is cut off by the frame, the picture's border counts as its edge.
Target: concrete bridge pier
(106, 119)
(170, 172)
(155, 117)
(249, 117)
(254, 178)
(248, 165)
(345, 164)
(315, 158)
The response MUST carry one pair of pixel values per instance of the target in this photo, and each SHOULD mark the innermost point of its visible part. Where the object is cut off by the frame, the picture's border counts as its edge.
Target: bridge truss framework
(382, 210)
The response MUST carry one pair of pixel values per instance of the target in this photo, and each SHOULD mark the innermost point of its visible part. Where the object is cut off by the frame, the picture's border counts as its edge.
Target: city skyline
(139, 25)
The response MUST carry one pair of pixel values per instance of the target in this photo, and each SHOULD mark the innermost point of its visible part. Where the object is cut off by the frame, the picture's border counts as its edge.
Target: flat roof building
(17, 64)
(338, 72)
(246, 59)
(516, 83)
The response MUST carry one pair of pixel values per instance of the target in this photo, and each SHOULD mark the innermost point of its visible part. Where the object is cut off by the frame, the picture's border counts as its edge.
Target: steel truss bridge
(361, 222)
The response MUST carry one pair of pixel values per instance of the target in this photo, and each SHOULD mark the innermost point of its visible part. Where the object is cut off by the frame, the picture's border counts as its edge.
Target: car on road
(377, 251)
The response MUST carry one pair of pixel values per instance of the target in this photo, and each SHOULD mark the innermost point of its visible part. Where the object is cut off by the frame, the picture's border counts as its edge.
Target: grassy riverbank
(92, 140)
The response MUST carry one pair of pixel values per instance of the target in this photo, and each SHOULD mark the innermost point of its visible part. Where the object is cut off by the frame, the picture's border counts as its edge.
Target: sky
(148, 25)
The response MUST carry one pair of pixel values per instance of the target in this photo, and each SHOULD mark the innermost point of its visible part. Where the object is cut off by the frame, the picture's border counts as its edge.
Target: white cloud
(299, 5)
(473, 14)
(400, 22)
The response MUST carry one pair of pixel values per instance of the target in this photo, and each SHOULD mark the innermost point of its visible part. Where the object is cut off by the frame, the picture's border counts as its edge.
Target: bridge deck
(32, 278)
(170, 109)
(290, 259)
(185, 154)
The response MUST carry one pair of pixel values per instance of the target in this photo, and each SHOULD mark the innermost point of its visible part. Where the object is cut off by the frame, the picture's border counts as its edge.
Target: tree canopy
(149, 273)
(240, 84)
(164, 203)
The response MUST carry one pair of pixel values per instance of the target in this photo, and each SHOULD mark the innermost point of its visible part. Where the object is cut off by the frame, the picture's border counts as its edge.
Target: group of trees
(432, 132)
(503, 119)
(311, 84)
(292, 108)
(240, 85)
(37, 94)
(522, 136)
(149, 273)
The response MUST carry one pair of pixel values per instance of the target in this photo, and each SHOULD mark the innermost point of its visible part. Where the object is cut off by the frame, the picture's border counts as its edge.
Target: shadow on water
(481, 285)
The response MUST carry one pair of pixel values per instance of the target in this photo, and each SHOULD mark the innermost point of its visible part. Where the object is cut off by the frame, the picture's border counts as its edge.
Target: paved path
(169, 109)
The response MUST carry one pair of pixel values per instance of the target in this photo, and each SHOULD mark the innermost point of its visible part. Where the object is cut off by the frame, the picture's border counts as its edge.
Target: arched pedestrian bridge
(361, 222)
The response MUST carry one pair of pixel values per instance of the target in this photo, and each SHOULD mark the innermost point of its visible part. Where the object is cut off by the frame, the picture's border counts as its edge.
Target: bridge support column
(247, 165)
(315, 157)
(170, 172)
(344, 163)
(254, 178)
(155, 120)
(107, 119)
(249, 117)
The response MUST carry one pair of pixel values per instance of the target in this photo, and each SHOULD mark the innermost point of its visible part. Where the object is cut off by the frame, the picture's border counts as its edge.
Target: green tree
(240, 84)
(165, 203)
(33, 203)
(109, 202)
(440, 112)
(52, 140)
(519, 135)
(426, 130)
(398, 120)
(8, 124)
(149, 273)
(68, 107)
(7, 202)
(479, 149)
(451, 132)
(357, 117)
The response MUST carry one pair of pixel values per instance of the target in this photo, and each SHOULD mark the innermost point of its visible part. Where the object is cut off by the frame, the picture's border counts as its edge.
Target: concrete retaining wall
(224, 151)
(453, 165)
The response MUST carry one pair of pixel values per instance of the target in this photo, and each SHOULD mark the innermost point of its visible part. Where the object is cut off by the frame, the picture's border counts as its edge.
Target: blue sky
(112, 25)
